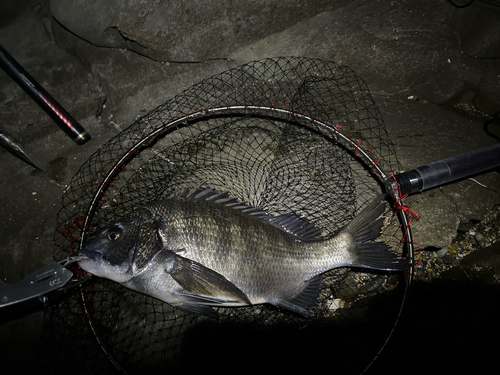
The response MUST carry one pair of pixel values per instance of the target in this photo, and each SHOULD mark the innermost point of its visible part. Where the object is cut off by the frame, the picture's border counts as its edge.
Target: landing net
(285, 134)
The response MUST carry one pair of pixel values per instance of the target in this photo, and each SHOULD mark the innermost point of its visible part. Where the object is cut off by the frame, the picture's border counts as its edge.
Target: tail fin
(363, 229)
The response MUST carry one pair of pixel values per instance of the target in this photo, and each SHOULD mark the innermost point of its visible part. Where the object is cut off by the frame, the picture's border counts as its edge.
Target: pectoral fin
(202, 281)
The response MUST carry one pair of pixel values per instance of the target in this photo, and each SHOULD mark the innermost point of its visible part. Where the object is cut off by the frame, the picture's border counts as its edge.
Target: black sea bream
(201, 248)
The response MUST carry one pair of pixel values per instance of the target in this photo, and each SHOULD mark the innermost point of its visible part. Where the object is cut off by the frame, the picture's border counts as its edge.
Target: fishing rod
(41, 97)
(14, 146)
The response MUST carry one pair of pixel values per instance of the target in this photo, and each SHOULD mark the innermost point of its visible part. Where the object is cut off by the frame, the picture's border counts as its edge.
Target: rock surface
(433, 70)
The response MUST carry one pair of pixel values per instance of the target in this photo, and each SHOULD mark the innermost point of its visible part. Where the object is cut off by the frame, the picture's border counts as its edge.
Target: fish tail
(365, 228)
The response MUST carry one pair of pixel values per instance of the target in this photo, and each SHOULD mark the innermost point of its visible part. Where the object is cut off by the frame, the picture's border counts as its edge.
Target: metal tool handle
(61, 117)
(40, 289)
(48, 278)
(450, 169)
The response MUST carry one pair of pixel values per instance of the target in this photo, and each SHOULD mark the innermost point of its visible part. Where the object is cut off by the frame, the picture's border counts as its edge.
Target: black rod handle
(450, 169)
(41, 97)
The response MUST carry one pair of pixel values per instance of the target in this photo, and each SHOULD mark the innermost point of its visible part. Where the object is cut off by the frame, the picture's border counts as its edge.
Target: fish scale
(276, 264)
(202, 248)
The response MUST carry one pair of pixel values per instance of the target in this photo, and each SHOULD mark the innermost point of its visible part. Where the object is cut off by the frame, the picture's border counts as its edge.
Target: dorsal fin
(297, 226)
(291, 223)
(211, 194)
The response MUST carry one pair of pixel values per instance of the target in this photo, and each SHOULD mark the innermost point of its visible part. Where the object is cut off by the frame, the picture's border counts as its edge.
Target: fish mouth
(81, 257)
(90, 254)
(86, 263)
(73, 259)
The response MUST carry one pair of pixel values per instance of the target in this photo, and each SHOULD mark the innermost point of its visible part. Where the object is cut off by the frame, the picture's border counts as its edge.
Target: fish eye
(114, 234)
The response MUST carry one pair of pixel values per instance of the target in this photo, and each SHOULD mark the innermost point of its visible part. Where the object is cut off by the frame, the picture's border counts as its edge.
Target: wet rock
(452, 248)
(457, 81)
(335, 304)
(380, 43)
(480, 35)
(133, 84)
(443, 224)
(58, 72)
(374, 284)
(482, 266)
(487, 99)
(464, 227)
(379, 39)
(181, 31)
(58, 169)
(385, 38)
(441, 88)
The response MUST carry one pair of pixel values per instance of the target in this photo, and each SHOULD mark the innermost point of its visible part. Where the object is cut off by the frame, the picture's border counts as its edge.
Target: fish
(201, 249)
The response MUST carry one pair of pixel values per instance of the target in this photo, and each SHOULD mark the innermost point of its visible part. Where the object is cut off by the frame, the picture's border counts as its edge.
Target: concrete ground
(433, 70)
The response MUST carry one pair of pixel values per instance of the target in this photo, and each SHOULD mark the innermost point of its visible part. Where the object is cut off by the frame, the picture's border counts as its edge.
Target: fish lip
(82, 256)
(91, 254)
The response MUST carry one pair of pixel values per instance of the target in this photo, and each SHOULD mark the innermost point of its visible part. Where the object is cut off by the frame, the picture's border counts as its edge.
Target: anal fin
(306, 299)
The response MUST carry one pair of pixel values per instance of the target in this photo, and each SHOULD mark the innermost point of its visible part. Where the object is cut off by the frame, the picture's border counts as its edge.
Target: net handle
(450, 169)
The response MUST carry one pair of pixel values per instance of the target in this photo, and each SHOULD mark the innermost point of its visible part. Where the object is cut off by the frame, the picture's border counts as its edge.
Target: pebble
(335, 304)
(442, 252)
(480, 239)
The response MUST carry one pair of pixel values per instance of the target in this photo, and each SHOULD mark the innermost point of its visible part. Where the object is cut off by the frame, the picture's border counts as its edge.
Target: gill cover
(119, 250)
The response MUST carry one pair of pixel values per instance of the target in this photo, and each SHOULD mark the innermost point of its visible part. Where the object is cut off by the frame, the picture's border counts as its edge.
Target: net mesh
(285, 134)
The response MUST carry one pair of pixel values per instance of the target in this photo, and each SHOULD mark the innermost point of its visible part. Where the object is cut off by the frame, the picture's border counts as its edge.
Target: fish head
(111, 252)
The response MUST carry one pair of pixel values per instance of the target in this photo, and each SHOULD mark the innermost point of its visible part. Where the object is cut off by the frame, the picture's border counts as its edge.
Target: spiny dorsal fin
(211, 194)
(291, 223)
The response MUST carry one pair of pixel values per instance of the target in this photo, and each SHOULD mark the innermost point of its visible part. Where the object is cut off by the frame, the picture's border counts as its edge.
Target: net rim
(334, 130)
